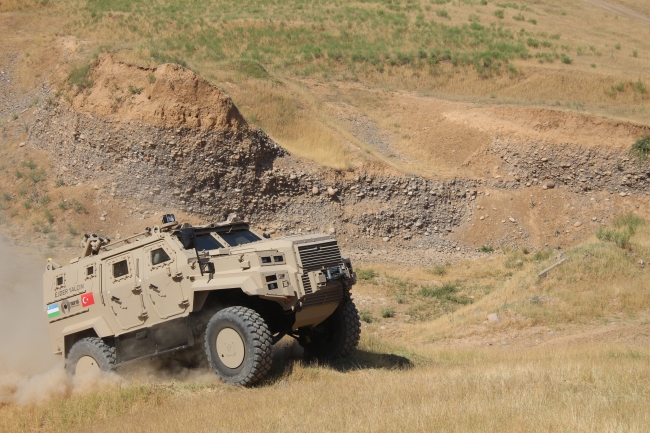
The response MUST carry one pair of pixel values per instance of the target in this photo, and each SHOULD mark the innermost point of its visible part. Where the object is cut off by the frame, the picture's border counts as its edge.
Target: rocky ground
(197, 156)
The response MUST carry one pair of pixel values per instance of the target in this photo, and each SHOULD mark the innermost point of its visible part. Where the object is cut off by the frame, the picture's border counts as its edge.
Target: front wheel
(238, 344)
(337, 336)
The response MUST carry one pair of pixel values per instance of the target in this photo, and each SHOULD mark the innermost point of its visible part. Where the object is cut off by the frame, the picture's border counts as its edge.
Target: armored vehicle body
(220, 288)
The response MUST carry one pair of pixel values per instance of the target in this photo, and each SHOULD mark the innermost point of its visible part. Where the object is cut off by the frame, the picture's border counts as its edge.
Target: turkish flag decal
(87, 299)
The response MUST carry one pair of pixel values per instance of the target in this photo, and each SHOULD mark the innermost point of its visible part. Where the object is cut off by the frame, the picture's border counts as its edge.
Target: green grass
(79, 77)
(641, 148)
(296, 37)
(366, 274)
(624, 228)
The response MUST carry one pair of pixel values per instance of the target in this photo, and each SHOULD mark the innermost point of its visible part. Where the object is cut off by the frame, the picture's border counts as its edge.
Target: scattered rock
(550, 184)
(577, 224)
(493, 318)
(315, 190)
(21, 144)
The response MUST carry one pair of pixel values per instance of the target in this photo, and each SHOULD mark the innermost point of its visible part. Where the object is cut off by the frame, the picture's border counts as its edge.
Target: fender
(98, 324)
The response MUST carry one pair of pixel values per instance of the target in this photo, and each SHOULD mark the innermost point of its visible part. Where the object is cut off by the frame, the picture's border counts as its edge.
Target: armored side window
(59, 280)
(90, 271)
(120, 269)
(159, 256)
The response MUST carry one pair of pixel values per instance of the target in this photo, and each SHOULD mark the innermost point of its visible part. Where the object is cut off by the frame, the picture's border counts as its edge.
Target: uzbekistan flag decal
(53, 310)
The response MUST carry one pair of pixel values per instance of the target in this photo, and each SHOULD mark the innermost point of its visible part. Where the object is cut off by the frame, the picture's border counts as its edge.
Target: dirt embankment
(166, 95)
(175, 165)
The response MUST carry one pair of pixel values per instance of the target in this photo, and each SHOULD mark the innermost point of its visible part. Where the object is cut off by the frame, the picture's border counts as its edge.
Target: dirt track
(620, 10)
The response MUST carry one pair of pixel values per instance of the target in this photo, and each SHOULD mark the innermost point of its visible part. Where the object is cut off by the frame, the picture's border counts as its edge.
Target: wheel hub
(86, 364)
(230, 348)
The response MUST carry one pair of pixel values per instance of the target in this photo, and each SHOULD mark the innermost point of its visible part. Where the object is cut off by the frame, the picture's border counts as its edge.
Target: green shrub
(534, 43)
(487, 249)
(29, 164)
(387, 313)
(78, 207)
(500, 13)
(72, 230)
(79, 77)
(624, 228)
(135, 90)
(366, 274)
(48, 216)
(438, 270)
(566, 59)
(366, 316)
(542, 255)
(6, 197)
(641, 148)
(442, 13)
(533, 21)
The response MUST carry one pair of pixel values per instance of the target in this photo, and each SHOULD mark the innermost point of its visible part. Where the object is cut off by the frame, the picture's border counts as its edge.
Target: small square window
(273, 286)
(59, 281)
(120, 269)
(278, 259)
(90, 270)
(266, 259)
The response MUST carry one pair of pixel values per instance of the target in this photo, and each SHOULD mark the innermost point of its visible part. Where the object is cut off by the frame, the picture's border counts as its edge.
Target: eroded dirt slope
(166, 95)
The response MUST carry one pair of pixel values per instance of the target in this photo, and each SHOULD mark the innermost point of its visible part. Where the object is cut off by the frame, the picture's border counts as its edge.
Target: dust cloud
(29, 372)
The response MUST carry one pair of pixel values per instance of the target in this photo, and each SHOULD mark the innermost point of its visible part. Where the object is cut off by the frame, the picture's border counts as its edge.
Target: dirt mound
(168, 95)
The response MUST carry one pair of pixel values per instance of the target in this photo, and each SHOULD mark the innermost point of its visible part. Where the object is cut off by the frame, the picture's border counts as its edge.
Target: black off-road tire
(258, 344)
(337, 337)
(94, 347)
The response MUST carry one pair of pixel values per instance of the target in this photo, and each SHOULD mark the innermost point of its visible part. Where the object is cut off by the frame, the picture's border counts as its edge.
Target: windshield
(207, 242)
(239, 237)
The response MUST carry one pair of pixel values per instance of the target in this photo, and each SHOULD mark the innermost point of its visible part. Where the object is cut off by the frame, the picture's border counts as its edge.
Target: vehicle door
(123, 291)
(162, 282)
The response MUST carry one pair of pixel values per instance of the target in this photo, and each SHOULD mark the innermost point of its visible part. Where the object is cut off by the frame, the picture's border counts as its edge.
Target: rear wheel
(336, 337)
(238, 344)
(90, 354)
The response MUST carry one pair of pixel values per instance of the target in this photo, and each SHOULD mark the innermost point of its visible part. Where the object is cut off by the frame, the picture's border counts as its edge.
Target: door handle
(115, 298)
(153, 287)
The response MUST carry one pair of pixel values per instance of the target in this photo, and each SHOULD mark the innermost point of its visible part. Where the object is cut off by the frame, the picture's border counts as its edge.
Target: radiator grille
(318, 256)
(325, 296)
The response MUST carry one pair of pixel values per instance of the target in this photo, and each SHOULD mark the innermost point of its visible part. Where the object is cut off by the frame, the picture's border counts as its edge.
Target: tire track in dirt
(620, 10)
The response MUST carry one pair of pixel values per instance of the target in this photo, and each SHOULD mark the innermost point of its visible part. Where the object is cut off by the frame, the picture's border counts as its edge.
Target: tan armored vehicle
(220, 287)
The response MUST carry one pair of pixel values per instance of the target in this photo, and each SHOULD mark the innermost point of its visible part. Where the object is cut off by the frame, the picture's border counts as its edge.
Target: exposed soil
(168, 95)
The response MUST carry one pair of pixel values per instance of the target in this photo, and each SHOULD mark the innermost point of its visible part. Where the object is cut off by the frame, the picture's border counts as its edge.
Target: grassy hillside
(567, 54)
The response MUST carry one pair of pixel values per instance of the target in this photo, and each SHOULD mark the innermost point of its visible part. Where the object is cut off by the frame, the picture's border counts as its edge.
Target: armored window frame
(117, 260)
(93, 271)
(164, 258)
(154, 247)
(58, 284)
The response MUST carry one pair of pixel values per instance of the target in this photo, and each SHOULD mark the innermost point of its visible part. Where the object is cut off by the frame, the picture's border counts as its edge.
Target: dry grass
(584, 389)
(405, 376)
(599, 282)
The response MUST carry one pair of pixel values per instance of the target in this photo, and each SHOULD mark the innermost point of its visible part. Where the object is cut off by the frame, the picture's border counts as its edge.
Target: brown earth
(168, 95)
